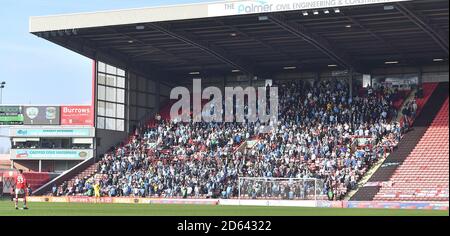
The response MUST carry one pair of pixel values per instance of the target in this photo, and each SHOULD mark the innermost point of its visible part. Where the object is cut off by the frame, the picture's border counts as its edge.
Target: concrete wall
(47, 166)
(107, 139)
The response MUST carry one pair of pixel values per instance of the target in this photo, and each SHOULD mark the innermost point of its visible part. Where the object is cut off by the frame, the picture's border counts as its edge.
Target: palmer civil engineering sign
(265, 6)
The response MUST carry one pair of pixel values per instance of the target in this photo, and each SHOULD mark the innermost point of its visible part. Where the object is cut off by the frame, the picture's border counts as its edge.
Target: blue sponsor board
(52, 133)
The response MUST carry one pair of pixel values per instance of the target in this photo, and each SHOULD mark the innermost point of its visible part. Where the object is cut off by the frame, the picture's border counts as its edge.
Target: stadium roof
(257, 37)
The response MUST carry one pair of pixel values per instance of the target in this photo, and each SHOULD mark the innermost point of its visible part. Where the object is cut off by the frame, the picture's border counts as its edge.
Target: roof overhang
(218, 38)
(185, 12)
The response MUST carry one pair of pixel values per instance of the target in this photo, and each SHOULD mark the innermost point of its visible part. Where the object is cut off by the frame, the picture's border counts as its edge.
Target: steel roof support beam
(316, 40)
(262, 42)
(90, 49)
(436, 34)
(381, 39)
(209, 48)
(152, 49)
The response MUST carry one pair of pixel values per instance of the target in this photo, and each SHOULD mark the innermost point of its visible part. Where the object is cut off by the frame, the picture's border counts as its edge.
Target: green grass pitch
(82, 209)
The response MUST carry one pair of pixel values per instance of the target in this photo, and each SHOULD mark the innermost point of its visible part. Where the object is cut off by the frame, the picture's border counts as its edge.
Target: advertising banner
(82, 199)
(11, 115)
(82, 132)
(399, 205)
(77, 115)
(266, 6)
(30, 154)
(41, 115)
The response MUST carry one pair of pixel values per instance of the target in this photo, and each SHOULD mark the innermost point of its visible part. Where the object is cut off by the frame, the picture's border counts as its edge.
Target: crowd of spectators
(409, 113)
(322, 133)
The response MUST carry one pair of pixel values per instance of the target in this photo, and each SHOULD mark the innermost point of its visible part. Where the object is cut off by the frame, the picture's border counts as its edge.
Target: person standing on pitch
(21, 191)
(97, 189)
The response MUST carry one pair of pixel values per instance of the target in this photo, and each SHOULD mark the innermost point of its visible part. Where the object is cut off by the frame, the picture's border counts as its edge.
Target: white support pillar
(40, 166)
(315, 189)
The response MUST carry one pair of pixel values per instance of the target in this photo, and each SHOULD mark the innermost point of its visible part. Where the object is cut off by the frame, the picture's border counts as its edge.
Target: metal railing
(65, 176)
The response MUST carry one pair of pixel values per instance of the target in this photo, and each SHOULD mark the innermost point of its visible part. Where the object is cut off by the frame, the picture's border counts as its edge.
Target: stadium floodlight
(316, 12)
(235, 71)
(2, 86)
(194, 73)
(332, 65)
(290, 67)
(130, 41)
(305, 13)
(390, 62)
(140, 27)
(233, 34)
(336, 10)
(326, 11)
(348, 26)
(438, 59)
(389, 7)
(263, 18)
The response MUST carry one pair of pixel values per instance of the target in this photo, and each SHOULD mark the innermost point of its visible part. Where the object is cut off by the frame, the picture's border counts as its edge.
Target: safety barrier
(236, 202)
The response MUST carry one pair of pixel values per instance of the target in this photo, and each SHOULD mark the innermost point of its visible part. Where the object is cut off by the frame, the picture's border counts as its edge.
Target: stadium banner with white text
(230, 202)
(77, 115)
(11, 115)
(33, 154)
(267, 6)
(397, 205)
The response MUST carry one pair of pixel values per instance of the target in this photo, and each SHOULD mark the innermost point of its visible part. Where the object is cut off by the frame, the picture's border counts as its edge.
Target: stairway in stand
(383, 176)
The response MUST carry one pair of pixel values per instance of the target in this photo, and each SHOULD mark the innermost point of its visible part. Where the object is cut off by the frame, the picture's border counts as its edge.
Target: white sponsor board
(236, 202)
(265, 6)
(51, 154)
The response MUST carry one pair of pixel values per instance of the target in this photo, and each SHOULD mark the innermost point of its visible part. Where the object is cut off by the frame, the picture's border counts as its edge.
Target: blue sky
(39, 72)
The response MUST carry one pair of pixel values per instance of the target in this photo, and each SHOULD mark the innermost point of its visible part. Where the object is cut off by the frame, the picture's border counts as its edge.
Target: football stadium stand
(397, 170)
(330, 127)
(424, 173)
(321, 147)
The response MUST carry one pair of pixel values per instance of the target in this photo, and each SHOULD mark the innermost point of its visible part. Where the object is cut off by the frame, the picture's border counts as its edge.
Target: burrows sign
(77, 115)
(266, 6)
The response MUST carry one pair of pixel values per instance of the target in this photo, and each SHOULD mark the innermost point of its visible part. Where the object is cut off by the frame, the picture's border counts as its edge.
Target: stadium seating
(428, 89)
(424, 175)
(36, 180)
(142, 154)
